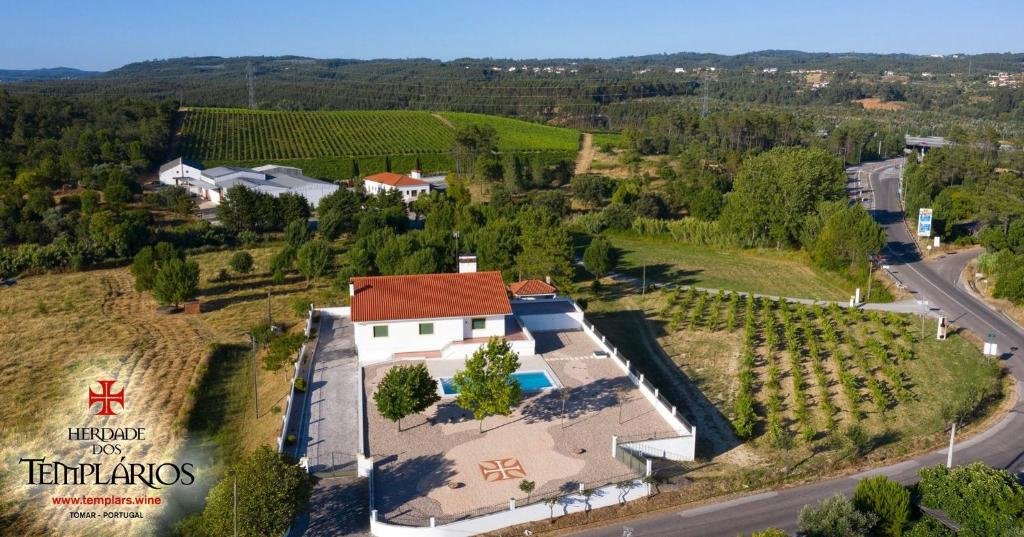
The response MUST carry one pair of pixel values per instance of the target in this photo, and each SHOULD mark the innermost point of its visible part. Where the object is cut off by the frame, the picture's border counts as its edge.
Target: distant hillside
(563, 91)
(343, 144)
(53, 73)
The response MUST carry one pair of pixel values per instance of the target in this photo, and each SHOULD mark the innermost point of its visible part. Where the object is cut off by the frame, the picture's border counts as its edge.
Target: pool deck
(555, 443)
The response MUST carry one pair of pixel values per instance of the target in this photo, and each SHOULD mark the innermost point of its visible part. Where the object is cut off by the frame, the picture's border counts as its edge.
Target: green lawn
(771, 272)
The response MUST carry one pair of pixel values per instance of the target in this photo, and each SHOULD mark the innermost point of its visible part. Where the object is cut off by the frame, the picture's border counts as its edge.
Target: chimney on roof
(547, 279)
(351, 289)
(467, 263)
(415, 174)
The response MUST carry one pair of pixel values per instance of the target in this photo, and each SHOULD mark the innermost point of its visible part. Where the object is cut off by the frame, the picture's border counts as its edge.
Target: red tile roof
(428, 296)
(395, 179)
(531, 287)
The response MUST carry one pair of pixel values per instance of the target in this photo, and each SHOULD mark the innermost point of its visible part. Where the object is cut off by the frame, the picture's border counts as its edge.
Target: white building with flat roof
(213, 184)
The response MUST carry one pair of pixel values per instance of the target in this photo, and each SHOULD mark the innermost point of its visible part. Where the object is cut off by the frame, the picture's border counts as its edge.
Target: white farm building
(213, 184)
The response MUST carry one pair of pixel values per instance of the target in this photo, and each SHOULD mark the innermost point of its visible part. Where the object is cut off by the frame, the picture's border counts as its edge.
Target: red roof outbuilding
(532, 288)
(395, 179)
(429, 296)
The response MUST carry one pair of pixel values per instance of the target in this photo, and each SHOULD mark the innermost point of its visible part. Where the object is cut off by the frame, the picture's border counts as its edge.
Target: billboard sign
(924, 223)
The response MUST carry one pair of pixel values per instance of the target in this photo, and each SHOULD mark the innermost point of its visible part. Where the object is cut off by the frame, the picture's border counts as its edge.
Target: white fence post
(433, 522)
(650, 467)
(511, 504)
(615, 444)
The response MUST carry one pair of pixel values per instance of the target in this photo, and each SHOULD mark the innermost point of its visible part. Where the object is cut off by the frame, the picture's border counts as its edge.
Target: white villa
(565, 363)
(446, 315)
(213, 184)
(411, 186)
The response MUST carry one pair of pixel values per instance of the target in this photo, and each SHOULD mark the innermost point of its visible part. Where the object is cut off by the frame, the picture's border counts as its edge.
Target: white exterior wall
(404, 336)
(548, 322)
(314, 194)
(168, 177)
(373, 188)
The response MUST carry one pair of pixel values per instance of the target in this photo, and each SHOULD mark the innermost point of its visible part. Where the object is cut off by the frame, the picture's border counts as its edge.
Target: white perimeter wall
(605, 496)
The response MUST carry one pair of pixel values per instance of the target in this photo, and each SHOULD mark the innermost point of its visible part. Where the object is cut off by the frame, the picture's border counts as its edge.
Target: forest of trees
(580, 93)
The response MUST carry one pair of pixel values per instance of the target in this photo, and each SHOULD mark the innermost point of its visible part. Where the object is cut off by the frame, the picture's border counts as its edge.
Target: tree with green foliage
(176, 281)
(486, 386)
(983, 500)
(241, 262)
(775, 191)
(339, 213)
(842, 236)
(243, 209)
(599, 258)
(272, 489)
(835, 517)
(544, 245)
(147, 262)
(292, 207)
(887, 499)
(527, 486)
(313, 259)
(591, 189)
(405, 390)
(296, 233)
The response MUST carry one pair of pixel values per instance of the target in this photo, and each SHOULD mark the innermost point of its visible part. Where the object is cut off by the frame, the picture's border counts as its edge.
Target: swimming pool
(529, 381)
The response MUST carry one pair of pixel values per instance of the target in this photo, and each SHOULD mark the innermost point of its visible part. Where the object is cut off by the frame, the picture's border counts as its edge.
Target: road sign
(924, 222)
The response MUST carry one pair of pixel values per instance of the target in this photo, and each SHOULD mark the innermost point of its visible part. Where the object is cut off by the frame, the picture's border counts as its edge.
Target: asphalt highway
(938, 282)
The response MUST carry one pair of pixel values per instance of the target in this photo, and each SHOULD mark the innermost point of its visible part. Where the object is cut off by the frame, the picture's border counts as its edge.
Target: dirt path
(586, 154)
(444, 120)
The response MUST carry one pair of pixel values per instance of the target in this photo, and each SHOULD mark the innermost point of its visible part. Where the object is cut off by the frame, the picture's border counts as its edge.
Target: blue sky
(103, 34)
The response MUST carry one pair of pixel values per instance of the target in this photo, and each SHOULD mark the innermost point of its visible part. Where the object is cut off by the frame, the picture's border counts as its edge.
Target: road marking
(925, 278)
(725, 505)
(887, 470)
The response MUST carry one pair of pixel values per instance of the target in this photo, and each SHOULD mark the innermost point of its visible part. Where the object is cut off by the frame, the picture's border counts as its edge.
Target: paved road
(936, 281)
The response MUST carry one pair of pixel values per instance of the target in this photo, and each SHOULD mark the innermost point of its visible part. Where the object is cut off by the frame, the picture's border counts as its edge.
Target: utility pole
(704, 96)
(643, 286)
(952, 437)
(255, 378)
(234, 503)
(867, 297)
(270, 317)
(250, 73)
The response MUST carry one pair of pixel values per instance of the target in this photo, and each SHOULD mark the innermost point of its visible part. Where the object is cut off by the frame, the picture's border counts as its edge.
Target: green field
(343, 144)
(515, 135)
(770, 272)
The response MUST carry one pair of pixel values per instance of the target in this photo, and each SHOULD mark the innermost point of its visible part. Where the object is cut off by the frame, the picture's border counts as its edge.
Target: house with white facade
(213, 184)
(411, 186)
(447, 315)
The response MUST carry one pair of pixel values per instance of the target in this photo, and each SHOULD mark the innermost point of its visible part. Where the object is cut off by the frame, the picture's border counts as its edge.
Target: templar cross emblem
(105, 397)
(502, 469)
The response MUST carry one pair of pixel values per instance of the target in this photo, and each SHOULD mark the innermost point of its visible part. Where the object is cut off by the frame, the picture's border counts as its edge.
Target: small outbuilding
(532, 289)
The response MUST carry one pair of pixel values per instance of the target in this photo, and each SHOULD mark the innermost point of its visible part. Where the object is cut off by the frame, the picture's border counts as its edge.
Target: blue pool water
(529, 381)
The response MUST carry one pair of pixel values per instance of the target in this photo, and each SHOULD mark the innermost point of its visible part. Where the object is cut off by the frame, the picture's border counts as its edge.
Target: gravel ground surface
(415, 466)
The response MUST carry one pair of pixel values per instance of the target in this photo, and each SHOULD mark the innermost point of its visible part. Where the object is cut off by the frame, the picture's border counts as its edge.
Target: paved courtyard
(539, 442)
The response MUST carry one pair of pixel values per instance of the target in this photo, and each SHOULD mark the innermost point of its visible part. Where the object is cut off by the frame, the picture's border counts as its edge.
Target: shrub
(300, 384)
(241, 262)
(290, 439)
(835, 517)
(887, 499)
(281, 349)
